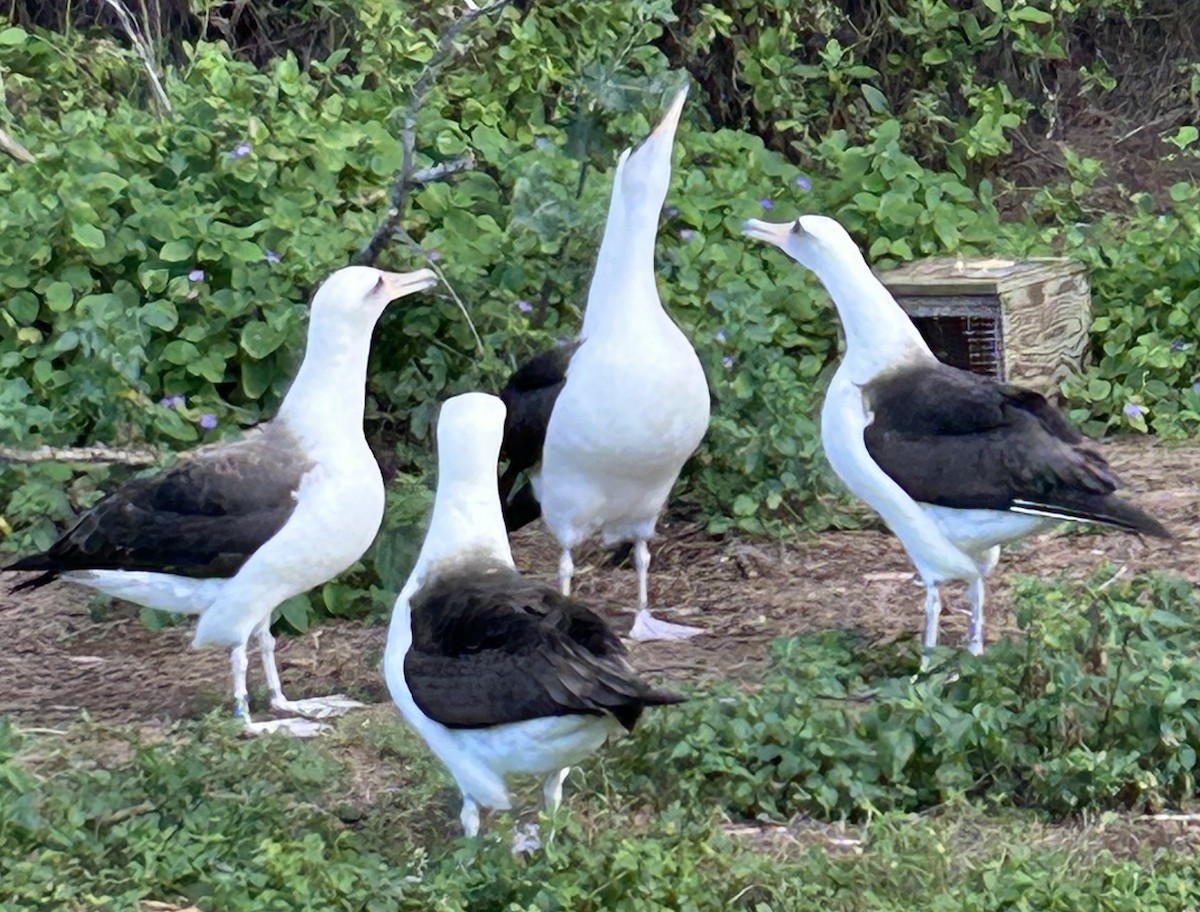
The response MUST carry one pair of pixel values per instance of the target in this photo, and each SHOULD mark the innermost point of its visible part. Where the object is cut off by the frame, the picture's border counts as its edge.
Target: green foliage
(1097, 707)
(198, 816)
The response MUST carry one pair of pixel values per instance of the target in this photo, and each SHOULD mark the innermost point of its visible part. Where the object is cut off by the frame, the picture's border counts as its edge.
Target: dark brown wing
(201, 517)
(491, 647)
(529, 397)
(957, 439)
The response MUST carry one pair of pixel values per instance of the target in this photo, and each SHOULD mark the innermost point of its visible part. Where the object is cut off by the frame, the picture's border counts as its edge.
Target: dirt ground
(59, 661)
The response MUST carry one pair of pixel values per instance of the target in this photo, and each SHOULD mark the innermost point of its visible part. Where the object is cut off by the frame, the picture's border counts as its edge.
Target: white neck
(466, 526)
(879, 333)
(327, 399)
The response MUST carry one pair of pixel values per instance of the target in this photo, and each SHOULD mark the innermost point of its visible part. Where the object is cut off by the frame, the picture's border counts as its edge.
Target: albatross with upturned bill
(603, 426)
(233, 529)
(956, 463)
(498, 673)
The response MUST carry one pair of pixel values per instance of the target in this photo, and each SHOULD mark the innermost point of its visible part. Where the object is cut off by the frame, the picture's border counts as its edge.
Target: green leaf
(13, 36)
(176, 251)
(260, 339)
(88, 236)
(876, 100)
(1032, 14)
(296, 612)
(59, 296)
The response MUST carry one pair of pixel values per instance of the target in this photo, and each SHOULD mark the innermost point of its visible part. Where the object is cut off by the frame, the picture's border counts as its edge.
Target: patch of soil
(59, 662)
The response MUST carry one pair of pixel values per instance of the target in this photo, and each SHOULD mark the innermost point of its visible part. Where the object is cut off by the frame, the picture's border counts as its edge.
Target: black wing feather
(201, 517)
(491, 647)
(957, 439)
(529, 397)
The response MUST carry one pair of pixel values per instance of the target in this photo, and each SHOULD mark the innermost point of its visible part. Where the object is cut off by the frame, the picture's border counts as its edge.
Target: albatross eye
(378, 286)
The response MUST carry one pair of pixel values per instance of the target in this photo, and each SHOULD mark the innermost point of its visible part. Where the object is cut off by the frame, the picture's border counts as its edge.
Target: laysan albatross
(232, 529)
(498, 673)
(604, 425)
(956, 463)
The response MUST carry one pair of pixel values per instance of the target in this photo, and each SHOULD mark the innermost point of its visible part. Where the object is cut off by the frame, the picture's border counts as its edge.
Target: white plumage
(520, 678)
(635, 404)
(993, 463)
(255, 521)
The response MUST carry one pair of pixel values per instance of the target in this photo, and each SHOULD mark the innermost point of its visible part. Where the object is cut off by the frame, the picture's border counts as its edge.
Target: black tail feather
(1105, 509)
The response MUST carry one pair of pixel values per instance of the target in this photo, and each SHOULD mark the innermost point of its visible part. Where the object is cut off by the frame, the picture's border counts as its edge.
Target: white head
(815, 241)
(467, 521)
(358, 295)
(878, 331)
(470, 428)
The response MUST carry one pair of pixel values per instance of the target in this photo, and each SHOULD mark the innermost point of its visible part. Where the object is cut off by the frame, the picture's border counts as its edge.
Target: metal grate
(962, 330)
(972, 343)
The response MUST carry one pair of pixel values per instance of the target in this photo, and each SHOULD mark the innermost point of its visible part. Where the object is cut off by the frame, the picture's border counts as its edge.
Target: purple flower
(196, 275)
(271, 255)
(433, 256)
(1133, 410)
(173, 401)
(1179, 345)
(1196, 387)
(686, 234)
(727, 361)
(721, 337)
(542, 143)
(803, 182)
(766, 203)
(241, 150)
(671, 212)
(524, 306)
(208, 421)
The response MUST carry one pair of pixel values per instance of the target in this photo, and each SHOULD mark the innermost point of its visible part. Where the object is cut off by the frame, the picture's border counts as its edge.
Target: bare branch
(142, 47)
(407, 176)
(99, 455)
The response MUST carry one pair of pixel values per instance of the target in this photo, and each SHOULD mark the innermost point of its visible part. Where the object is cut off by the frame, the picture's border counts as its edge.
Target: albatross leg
(469, 817)
(566, 568)
(552, 789)
(646, 626)
(976, 594)
(528, 837)
(312, 708)
(241, 698)
(241, 703)
(933, 614)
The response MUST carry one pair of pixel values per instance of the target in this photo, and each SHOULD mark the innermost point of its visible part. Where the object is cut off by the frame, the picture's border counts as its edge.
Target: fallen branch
(14, 148)
(136, 810)
(98, 455)
(408, 176)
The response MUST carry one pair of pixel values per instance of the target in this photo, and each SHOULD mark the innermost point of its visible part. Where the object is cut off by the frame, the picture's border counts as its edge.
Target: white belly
(337, 515)
(621, 430)
(978, 531)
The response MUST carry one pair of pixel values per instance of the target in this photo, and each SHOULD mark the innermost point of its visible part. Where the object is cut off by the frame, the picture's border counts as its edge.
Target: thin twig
(409, 242)
(406, 176)
(100, 455)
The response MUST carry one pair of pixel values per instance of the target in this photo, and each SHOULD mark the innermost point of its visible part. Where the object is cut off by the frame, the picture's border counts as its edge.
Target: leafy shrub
(104, 819)
(1097, 706)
